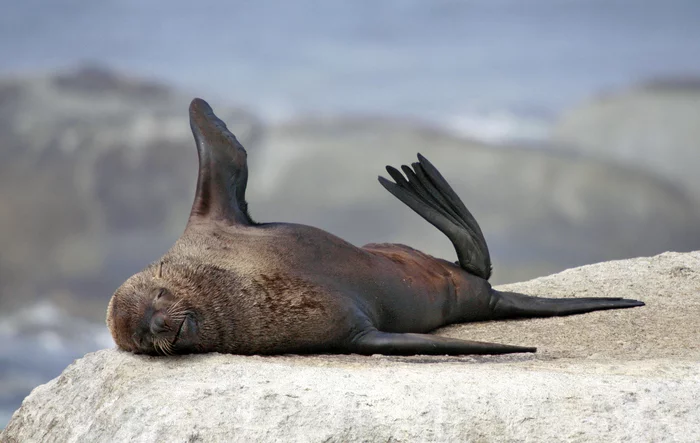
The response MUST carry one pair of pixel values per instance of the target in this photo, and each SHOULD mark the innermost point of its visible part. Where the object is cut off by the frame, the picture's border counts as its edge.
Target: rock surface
(626, 375)
(654, 126)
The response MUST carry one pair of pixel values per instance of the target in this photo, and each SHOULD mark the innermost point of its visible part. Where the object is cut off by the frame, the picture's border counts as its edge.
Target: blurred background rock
(570, 129)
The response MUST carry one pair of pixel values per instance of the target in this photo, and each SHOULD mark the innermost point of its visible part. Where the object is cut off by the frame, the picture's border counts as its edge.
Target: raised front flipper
(377, 342)
(223, 169)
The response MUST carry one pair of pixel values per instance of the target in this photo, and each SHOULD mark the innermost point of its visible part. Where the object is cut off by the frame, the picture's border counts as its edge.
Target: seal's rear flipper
(514, 305)
(223, 169)
(429, 194)
(377, 342)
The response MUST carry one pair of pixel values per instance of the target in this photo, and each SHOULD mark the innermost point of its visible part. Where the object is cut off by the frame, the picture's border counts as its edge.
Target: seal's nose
(158, 323)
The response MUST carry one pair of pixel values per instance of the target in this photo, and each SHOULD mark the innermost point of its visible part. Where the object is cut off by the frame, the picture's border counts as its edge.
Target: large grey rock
(627, 375)
(654, 126)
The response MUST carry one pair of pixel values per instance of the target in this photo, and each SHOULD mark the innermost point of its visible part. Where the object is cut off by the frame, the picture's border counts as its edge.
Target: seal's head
(150, 315)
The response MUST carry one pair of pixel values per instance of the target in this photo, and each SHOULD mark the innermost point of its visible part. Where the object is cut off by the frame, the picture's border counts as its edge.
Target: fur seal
(232, 285)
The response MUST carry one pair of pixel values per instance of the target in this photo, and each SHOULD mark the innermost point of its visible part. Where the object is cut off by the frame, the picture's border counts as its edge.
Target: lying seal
(232, 285)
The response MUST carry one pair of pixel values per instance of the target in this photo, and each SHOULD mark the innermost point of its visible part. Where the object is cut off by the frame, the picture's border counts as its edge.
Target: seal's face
(147, 317)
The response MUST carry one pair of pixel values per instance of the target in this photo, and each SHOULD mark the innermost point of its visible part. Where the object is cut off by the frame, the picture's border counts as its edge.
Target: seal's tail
(427, 192)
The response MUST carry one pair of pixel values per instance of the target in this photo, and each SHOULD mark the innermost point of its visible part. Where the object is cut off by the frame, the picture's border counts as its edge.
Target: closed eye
(179, 330)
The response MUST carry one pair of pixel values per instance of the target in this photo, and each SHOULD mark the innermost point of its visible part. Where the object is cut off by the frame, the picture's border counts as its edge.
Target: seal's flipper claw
(514, 305)
(223, 168)
(398, 177)
(377, 342)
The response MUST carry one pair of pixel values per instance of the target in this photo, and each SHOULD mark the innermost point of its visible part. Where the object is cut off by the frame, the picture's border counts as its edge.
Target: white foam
(54, 330)
(498, 126)
(41, 314)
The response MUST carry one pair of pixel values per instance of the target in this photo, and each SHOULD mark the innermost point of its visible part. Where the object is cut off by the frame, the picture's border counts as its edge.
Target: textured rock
(627, 375)
(654, 127)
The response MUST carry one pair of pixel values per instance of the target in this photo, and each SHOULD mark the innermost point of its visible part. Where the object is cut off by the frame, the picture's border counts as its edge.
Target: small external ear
(223, 169)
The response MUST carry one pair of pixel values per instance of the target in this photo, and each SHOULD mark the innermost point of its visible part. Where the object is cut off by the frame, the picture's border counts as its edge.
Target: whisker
(162, 346)
(174, 306)
(177, 314)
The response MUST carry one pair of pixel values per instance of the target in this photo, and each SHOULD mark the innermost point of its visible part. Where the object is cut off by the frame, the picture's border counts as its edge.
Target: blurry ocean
(499, 70)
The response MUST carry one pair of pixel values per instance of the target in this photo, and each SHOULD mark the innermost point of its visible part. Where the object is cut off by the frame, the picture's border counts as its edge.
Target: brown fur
(266, 311)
